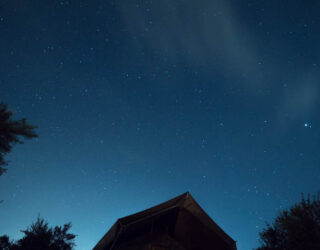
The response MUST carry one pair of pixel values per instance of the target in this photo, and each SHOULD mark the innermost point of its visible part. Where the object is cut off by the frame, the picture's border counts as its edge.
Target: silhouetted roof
(183, 219)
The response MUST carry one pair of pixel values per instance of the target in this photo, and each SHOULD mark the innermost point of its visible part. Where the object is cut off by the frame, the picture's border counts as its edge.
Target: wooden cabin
(179, 223)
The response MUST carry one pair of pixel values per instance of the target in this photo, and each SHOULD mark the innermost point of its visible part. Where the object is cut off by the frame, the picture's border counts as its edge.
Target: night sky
(139, 101)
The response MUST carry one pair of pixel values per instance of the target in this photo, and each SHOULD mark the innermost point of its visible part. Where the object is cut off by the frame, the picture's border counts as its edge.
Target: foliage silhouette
(5, 243)
(297, 228)
(39, 236)
(10, 133)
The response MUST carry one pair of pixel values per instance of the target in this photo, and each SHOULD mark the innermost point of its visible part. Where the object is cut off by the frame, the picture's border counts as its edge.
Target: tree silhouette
(5, 243)
(10, 133)
(39, 236)
(297, 228)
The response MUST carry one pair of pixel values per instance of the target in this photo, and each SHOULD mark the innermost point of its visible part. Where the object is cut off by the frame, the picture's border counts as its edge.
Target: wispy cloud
(212, 35)
(203, 33)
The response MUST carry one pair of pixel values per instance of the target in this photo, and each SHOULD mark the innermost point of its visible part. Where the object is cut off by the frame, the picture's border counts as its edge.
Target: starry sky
(139, 101)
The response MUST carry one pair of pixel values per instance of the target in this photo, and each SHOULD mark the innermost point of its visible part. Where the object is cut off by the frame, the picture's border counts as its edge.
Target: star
(307, 125)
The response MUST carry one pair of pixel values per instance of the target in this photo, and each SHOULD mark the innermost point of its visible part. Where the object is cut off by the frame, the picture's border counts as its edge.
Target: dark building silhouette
(179, 223)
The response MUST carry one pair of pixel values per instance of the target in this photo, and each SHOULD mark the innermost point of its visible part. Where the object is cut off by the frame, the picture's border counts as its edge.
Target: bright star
(307, 125)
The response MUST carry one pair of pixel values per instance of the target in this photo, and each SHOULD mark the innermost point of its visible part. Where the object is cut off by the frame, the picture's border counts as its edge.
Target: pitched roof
(165, 211)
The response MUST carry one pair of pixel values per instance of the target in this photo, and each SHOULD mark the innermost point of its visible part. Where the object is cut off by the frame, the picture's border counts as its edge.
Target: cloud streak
(211, 35)
(203, 33)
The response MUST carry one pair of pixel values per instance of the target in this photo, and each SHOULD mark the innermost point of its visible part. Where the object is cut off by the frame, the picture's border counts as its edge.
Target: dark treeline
(39, 236)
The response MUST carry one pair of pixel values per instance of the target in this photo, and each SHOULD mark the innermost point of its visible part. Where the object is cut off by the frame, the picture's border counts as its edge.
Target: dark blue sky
(140, 101)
